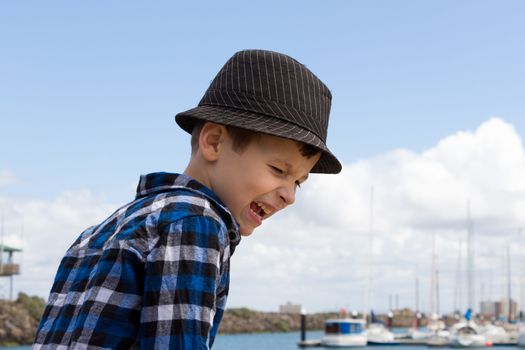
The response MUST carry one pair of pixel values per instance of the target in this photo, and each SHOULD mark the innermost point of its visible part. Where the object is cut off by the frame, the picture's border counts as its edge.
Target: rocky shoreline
(19, 319)
(243, 320)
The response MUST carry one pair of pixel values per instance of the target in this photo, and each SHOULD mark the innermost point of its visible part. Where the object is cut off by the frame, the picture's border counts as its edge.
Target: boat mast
(433, 277)
(458, 295)
(522, 291)
(417, 293)
(370, 254)
(521, 299)
(2, 243)
(438, 311)
(509, 289)
(470, 260)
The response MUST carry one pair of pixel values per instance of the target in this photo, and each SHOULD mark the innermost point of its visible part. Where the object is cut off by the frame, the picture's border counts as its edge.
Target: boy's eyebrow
(289, 167)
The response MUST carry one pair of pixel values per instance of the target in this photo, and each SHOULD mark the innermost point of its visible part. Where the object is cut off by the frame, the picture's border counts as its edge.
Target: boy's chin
(246, 231)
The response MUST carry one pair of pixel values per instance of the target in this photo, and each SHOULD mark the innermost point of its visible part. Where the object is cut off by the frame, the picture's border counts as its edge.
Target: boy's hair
(242, 137)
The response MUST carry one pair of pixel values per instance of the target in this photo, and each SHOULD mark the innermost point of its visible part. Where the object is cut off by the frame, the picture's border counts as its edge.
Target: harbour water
(288, 341)
(277, 341)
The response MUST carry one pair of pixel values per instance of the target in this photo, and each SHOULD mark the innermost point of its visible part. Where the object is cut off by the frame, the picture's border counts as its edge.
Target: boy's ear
(211, 140)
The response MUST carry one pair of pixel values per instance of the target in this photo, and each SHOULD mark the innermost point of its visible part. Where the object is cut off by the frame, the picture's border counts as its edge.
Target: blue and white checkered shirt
(154, 275)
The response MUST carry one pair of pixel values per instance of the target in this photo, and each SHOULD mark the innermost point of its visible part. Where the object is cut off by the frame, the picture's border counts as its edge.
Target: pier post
(303, 325)
(390, 320)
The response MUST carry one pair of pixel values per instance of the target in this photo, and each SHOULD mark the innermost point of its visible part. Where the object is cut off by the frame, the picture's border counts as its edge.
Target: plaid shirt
(154, 275)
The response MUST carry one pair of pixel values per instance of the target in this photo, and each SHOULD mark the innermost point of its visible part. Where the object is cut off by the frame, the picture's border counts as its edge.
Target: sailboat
(434, 334)
(378, 334)
(521, 332)
(376, 331)
(495, 334)
(466, 334)
(440, 336)
(521, 336)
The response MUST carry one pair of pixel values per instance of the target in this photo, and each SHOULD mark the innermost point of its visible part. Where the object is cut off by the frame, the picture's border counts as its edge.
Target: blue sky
(88, 91)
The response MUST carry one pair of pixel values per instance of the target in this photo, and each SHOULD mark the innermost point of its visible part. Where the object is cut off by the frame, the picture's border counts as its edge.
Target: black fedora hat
(272, 93)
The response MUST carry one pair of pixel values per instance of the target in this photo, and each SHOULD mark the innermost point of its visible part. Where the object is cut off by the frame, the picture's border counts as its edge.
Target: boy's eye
(297, 184)
(277, 170)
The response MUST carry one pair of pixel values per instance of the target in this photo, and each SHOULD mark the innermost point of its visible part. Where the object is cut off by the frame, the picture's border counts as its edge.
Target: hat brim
(327, 164)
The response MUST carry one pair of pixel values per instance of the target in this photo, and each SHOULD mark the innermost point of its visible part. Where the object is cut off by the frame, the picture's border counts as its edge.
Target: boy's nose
(287, 194)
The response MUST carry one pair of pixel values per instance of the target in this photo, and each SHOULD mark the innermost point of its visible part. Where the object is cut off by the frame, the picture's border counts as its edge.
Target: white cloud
(44, 230)
(316, 253)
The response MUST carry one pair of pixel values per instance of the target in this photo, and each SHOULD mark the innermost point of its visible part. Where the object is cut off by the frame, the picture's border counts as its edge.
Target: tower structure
(8, 268)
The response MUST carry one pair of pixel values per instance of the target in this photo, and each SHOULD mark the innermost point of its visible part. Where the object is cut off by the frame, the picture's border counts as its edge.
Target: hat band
(251, 103)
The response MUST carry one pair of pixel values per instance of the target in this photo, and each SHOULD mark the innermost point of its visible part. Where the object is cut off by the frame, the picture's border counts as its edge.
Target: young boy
(155, 274)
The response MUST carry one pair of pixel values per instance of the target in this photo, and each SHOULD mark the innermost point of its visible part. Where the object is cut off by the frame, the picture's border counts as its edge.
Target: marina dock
(309, 343)
(405, 342)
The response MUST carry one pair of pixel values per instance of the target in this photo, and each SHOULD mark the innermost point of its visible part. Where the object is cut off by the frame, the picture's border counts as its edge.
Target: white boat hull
(521, 338)
(344, 341)
(437, 341)
(495, 334)
(468, 341)
(377, 334)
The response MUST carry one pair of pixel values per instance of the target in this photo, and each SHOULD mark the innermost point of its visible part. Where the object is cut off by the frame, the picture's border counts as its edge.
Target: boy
(155, 274)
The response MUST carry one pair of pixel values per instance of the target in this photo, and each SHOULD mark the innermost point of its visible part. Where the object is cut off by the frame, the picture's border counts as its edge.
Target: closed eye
(277, 170)
(280, 172)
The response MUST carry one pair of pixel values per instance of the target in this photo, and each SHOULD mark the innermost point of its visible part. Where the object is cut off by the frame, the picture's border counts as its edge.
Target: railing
(9, 269)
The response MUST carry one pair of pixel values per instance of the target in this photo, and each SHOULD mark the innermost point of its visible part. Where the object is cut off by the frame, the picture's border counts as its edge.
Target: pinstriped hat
(271, 93)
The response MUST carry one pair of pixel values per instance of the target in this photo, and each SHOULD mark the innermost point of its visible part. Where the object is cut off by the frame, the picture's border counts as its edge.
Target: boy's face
(261, 179)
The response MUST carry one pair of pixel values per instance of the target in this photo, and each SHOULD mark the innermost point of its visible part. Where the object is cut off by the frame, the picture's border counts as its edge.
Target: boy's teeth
(266, 209)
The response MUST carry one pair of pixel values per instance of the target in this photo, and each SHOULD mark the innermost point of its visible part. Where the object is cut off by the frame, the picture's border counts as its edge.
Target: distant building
(488, 309)
(499, 309)
(504, 312)
(290, 308)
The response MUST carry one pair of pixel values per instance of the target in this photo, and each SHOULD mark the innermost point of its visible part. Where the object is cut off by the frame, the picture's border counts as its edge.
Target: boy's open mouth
(261, 209)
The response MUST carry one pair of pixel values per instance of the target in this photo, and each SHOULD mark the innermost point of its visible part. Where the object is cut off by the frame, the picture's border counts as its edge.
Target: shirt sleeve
(182, 276)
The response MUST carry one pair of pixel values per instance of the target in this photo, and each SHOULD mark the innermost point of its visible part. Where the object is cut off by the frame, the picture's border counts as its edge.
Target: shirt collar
(163, 182)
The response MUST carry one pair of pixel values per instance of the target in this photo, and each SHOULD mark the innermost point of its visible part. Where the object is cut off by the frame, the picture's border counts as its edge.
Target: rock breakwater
(19, 319)
(243, 320)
